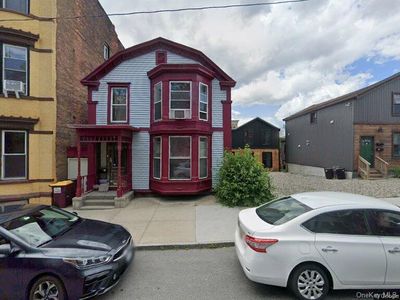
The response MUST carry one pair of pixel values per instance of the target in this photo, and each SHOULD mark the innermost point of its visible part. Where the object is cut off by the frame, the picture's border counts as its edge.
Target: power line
(159, 11)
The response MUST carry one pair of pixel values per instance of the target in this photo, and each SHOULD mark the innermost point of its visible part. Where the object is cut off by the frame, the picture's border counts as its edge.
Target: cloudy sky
(283, 57)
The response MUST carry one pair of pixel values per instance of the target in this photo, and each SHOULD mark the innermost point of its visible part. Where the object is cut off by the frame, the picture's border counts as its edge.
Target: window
(17, 5)
(281, 211)
(157, 158)
(396, 104)
(42, 226)
(339, 222)
(384, 223)
(396, 144)
(161, 57)
(106, 51)
(203, 157)
(203, 102)
(313, 117)
(267, 159)
(180, 99)
(180, 157)
(158, 101)
(119, 105)
(15, 63)
(13, 154)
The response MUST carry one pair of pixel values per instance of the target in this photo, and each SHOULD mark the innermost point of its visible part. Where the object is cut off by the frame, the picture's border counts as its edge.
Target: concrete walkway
(160, 221)
(156, 221)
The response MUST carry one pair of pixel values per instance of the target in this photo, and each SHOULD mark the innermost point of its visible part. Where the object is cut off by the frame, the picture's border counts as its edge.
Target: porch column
(119, 179)
(79, 178)
(129, 160)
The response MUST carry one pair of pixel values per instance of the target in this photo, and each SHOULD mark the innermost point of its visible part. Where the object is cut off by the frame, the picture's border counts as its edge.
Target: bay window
(158, 101)
(203, 102)
(157, 158)
(13, 154)
(180, 95)
(203, 157)
(21, 6)
(14, 67)
(119, 105)
(180, 157)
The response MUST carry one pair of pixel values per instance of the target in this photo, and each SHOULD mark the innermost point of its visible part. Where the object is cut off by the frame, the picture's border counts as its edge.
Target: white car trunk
(251, 223)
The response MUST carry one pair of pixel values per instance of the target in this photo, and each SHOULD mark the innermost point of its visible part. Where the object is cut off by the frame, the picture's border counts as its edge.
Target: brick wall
(381, 134)
(79, 51)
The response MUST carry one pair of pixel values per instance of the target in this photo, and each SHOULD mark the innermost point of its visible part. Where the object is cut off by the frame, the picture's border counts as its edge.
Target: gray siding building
(336, 133)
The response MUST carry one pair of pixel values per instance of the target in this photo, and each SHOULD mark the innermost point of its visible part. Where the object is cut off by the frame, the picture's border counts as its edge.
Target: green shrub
(242, 181)
(395, 171)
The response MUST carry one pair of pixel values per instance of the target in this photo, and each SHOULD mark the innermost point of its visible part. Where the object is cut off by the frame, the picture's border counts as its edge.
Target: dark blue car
(49, 253)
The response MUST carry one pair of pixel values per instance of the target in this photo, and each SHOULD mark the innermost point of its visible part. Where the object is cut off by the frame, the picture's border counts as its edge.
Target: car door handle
(394, 250)
(329, 249)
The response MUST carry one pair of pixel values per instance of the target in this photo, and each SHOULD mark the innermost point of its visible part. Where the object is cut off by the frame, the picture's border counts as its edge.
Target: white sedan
(314, 242)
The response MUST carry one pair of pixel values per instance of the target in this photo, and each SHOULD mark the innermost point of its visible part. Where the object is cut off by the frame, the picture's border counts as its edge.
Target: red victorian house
(159, 119)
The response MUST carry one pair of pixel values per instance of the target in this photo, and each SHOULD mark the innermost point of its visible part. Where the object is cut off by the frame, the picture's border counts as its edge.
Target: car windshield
(281, 211)
(41, 226)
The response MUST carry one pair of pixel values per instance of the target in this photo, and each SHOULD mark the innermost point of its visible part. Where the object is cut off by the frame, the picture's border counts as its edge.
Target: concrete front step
(100, 202)
(100, 197)
(96, 207)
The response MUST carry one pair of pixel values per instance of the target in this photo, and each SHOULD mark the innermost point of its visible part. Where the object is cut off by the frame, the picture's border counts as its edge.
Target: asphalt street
(194, 274)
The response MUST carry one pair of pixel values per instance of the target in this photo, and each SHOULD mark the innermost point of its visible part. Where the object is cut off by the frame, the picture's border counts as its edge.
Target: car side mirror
(75, 213)
(5, 249)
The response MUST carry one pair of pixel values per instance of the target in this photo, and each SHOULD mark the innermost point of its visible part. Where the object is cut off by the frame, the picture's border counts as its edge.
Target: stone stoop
(101, 200)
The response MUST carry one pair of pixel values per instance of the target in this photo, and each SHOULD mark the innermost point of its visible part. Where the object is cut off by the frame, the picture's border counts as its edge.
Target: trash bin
(340, 173)
(329, 173)
(62, 193)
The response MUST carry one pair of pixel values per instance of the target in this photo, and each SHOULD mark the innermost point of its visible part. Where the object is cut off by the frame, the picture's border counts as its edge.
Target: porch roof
(103, 133)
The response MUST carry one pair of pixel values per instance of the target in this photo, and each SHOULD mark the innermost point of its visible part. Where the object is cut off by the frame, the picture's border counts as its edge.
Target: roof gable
(158, 43)
(257, 120)
(343, 98)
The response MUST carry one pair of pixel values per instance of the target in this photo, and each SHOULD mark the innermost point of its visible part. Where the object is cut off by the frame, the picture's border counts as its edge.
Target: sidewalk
(155, 221)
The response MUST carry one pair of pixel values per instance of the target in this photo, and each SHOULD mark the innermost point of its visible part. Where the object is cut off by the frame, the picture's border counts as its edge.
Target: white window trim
(3, 137)
(112, 105)
(26, 65)
(161, 101)
(206, 157)
(206, 112)
(190, 100)
(159, 158)
(179, 157)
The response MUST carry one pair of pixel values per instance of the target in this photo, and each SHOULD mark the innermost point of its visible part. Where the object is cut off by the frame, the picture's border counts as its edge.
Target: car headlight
(86, 262)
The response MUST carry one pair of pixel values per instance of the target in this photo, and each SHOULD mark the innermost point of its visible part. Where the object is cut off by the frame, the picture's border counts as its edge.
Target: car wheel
(47, 287)
(309, 282)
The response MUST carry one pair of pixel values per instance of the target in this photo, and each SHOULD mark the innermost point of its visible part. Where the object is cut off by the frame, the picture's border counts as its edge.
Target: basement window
(313, 117)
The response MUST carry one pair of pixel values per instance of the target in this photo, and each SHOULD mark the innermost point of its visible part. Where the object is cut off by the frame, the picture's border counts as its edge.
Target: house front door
(112, 163)
(367, 149)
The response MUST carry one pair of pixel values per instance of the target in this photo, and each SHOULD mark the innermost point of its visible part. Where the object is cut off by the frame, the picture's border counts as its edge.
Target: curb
(185, 246)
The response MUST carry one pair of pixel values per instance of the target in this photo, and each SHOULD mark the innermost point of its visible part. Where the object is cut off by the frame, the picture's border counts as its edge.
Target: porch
(109, 162)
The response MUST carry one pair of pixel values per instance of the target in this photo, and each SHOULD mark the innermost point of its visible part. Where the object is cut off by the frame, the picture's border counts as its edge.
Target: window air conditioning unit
(181, 114)
(13, 86)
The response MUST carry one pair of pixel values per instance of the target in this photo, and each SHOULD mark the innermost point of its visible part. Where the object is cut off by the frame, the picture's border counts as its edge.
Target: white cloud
(291, 55)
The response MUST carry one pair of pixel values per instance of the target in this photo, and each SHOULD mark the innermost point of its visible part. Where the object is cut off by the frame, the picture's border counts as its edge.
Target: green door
(367, 150)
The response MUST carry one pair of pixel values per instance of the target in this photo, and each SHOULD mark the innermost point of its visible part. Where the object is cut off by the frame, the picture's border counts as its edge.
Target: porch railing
(382, 166)
(363, 168)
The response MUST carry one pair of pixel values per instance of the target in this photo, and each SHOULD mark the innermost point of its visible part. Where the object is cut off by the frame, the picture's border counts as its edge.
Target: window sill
(13, 97)
(13, 181)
